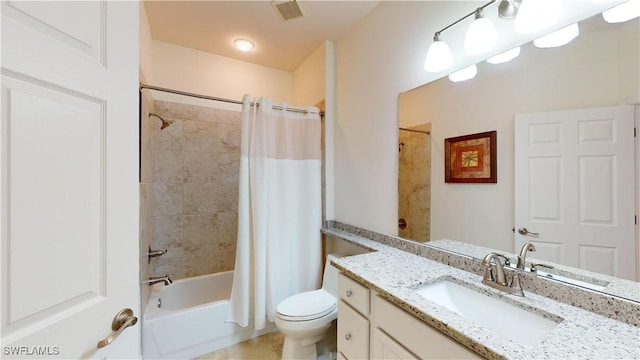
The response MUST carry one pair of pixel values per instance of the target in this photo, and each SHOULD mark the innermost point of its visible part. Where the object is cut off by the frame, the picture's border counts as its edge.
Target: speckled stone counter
(395, 274)
(606, 304)
(612, 285)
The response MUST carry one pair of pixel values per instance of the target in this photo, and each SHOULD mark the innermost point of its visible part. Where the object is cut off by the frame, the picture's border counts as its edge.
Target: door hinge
(635, 132)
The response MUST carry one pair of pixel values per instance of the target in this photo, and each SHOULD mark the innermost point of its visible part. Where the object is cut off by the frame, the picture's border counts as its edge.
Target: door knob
(524, 231)
(124, 318)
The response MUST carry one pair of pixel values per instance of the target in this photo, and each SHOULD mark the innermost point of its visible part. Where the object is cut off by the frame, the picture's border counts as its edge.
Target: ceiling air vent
(287, 9)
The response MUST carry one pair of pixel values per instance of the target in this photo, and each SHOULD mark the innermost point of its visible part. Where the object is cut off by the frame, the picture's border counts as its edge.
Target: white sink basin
(501, 318)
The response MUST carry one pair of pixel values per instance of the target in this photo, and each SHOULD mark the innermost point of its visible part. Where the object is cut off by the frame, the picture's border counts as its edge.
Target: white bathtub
(190, 319)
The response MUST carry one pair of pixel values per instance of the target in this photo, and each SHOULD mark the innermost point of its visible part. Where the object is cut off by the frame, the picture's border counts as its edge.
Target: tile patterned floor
(265, 347)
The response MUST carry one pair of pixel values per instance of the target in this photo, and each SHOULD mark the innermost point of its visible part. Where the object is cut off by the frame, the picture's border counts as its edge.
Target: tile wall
(414, 183)
(195, 189)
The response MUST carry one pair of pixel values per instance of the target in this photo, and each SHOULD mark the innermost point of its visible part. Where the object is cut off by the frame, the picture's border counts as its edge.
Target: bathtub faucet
(166, 279)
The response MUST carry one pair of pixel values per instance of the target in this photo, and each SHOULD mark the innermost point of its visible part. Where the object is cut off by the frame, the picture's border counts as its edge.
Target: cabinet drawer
(354, 294)
(353, 333)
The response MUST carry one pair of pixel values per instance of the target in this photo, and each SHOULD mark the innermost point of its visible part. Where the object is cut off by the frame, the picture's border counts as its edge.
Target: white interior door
(575, 187)
(69, 168)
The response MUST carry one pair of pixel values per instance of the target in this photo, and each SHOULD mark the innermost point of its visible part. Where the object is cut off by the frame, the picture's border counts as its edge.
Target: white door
(69, 168)
(574, 174)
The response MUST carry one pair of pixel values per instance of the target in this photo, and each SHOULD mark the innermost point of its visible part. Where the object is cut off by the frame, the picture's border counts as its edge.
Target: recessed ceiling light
(244, 45)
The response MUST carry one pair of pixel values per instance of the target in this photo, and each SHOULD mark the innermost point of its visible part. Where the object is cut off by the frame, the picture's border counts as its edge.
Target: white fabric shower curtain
(279, 212)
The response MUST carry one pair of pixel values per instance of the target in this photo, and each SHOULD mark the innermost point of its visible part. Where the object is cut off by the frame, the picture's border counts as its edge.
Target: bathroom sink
(503, 319)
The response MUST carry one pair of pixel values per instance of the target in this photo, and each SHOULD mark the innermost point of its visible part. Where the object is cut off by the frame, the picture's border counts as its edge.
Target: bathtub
(187, 318)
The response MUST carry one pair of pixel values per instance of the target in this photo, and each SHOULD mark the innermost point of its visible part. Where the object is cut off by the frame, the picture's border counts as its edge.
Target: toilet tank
(330, 277)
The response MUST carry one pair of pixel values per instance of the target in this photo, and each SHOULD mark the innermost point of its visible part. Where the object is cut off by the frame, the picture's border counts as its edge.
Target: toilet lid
(306, 306)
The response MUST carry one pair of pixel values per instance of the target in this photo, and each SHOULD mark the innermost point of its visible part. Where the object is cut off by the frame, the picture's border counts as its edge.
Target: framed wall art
(471, 158)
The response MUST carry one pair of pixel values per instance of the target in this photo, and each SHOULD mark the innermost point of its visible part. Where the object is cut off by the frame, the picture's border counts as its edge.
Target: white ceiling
(212, 26)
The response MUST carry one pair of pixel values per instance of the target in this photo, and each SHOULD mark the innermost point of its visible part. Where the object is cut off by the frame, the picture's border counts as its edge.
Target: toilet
(305, 318)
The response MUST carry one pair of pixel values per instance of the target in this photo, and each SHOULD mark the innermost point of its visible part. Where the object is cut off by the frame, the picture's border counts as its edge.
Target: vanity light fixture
(508, 9)
(558, 37)
(505, 56)
(623, 12)
(535, 15)
(465, 74)
(439, 55)
(482, 35)
(244, 45)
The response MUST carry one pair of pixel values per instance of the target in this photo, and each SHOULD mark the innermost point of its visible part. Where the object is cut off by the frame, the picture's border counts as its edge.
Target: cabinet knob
(347, 336)
(349, 293)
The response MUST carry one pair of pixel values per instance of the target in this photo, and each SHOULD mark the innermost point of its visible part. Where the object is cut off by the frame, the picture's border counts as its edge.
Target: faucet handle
(515, 284)
(534, 267)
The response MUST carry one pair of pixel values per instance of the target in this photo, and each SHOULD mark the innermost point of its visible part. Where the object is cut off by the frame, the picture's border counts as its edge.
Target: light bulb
(505, 56)
(535, 15)
(558, 38)
(464, 74)
(439, 56)
(623, 12)
(481, 37)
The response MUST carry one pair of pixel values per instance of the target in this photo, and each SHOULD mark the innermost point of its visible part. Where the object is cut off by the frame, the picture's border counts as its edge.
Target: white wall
(381, 57)
(583, 74)
(309, 79)
(199, 72)
(146, 52)
(329, 121)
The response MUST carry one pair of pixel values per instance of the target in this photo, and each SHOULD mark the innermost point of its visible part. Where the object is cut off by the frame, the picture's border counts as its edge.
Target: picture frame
(471, 158)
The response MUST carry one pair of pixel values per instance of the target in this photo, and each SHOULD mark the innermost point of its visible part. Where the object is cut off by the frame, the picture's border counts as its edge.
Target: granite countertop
(619, 287)
(394, 274)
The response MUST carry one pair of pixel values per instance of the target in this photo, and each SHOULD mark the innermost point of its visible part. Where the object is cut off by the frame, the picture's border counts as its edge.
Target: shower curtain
(279, 212)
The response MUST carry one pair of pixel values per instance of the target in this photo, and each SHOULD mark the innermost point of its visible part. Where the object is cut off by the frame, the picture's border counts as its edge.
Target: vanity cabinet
(370, 327)
(418, 340)
(353, 319)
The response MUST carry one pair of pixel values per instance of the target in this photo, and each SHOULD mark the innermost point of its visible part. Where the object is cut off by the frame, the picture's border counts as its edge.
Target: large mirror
(598, 69)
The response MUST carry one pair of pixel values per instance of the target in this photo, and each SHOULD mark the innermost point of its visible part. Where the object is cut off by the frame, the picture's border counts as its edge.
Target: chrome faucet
(497, 279)
(152, 280)
(523, 255)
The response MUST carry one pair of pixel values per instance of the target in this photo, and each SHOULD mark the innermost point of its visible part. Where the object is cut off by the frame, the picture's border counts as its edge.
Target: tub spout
(166, 279)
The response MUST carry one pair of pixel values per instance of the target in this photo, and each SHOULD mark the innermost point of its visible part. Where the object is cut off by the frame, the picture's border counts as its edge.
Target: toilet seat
(307, 306)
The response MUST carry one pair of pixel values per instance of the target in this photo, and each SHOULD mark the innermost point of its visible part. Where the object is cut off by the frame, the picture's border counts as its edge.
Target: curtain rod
(184, 93)
(417, 131)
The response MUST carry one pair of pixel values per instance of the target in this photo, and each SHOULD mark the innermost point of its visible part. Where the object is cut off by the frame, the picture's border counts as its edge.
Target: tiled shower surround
(414, 183)
(195, 179)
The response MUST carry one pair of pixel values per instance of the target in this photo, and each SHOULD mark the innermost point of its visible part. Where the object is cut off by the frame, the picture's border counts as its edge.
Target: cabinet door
(353, 333)
(415, 335)
(386, 348)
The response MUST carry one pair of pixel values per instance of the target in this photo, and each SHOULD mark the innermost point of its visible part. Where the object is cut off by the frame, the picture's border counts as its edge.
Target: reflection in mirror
(414, 182)
(597, 69)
